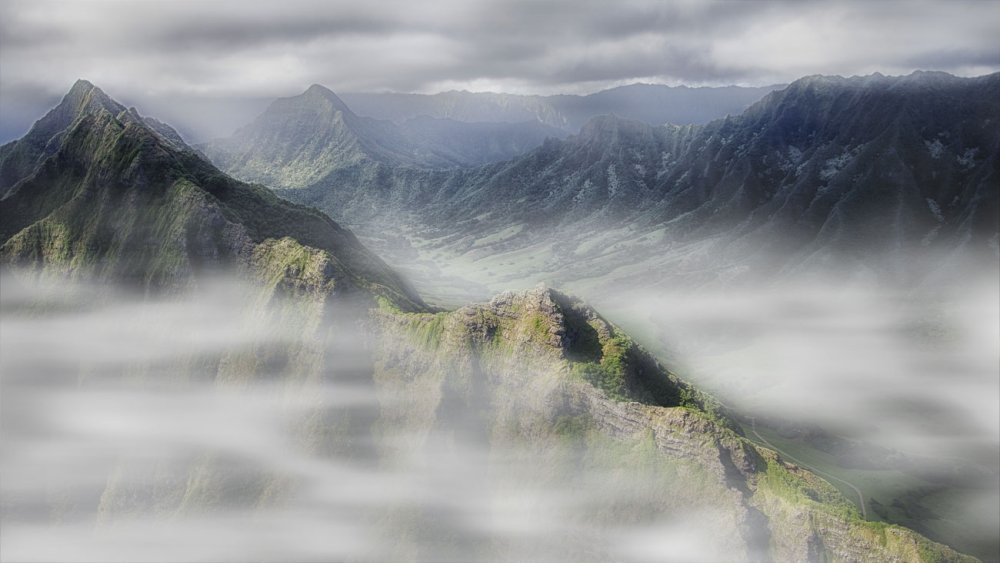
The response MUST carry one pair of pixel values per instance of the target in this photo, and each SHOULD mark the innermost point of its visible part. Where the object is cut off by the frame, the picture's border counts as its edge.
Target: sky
(225, 58)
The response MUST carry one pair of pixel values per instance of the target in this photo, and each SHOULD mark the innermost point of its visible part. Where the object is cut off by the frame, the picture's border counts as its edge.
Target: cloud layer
(224, 49)
(113, 449)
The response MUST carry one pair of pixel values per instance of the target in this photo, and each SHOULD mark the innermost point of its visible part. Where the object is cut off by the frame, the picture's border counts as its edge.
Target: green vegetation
(891, 495)
(805, 487)
(573, 427)
(539, 326)
(610, 381)
(427, 330)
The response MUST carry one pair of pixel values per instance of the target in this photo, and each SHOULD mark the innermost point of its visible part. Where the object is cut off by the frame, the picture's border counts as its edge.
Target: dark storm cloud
(227, 49)
(240, 33)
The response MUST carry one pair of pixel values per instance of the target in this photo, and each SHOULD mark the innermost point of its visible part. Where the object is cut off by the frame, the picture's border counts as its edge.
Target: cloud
(234, 50)
(104, 460)
(916, 372)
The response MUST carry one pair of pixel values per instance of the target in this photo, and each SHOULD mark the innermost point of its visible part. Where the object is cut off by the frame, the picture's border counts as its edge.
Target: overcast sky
(194, 51)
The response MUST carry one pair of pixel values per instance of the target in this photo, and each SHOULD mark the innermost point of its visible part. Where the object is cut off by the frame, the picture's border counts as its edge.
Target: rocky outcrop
(512, 369)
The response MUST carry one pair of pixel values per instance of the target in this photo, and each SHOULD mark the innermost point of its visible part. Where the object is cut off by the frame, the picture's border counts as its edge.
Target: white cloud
(229, 50)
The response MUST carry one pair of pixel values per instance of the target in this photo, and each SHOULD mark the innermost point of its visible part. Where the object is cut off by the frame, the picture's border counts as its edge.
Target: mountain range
(95, 191)
(302, 139)
(654, 104)
(894, 176)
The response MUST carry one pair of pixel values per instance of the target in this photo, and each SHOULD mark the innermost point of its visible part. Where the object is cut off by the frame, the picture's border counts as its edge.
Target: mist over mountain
(654, 104)
(271, 401)
(862, 170)
(880, 187)
(303, 139)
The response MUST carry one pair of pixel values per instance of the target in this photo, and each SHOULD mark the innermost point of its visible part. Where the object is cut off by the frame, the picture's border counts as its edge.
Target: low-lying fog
(910, 378)
(114, 448)
(912, 372)
(908, 372)
(118, 445)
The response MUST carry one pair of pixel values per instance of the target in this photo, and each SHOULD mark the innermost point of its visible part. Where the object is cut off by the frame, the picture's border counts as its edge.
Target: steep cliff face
(541, 371)
(19, 158)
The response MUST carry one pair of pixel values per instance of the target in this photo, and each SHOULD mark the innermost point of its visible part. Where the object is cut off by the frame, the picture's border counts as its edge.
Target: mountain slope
(655, 104)
(877, 163)
(112, 193)
(823, 156)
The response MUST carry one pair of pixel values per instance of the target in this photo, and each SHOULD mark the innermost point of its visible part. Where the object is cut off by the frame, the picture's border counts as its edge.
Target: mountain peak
(318, 89)
(81, 86)
(84, 97)
(322, 93)
(83, 100)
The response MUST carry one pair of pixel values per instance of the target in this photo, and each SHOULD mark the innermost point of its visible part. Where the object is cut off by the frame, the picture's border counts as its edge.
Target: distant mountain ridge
(300, 140)
(654, 104)
(864, 169)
